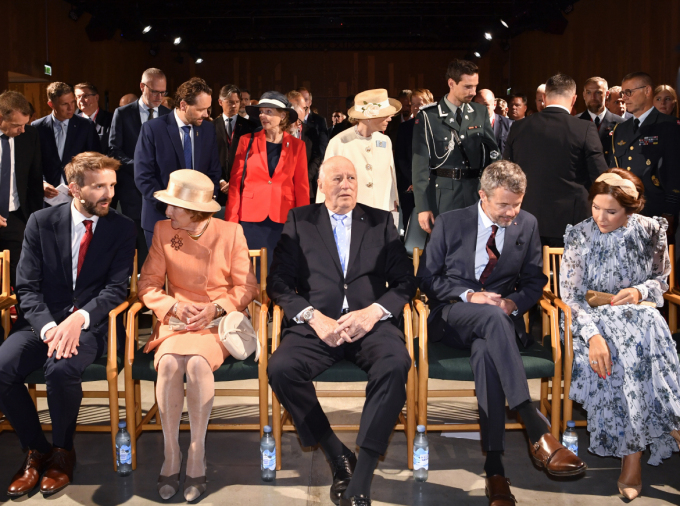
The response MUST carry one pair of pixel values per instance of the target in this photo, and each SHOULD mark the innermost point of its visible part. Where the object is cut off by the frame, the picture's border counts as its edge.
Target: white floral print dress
(639, 404)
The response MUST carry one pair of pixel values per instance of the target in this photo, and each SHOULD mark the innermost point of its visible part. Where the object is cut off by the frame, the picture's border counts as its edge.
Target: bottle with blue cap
(268, 455)
(421, 455)
(123, 451)
(570, 438)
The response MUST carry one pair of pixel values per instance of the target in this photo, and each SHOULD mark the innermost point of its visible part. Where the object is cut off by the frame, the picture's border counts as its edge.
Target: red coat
(264, 196)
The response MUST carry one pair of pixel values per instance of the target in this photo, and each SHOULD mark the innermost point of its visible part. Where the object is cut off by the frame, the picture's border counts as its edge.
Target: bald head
(487, 99)
(127, 99)
(540, 98)
(338, 183)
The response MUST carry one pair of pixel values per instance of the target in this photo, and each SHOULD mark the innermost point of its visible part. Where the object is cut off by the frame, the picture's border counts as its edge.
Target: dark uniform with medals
(651, 151)
(450, 151)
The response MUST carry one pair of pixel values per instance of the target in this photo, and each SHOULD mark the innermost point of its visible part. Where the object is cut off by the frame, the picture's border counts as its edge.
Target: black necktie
(636, 125)
(493, 253)
(151, 111)
(597, 122)
(5, 176)
(228, 127)
(459, 116)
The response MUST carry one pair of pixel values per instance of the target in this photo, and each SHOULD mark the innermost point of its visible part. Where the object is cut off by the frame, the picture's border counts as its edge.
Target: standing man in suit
(74, 269)
(615, 103)
(245, 101)
(181, 140)
(21, 189)
(329, 275)
(63, 135)
(229, 127)
(648, 145)
(125, 127)
(595, 95)
(446, 177)
(345, 123)
(87, 98)
(500, 124)
(540, 98)
(481, 271)
(310, 136)
(517, 107)
(561, 156)
(315, 121)
(400, 118)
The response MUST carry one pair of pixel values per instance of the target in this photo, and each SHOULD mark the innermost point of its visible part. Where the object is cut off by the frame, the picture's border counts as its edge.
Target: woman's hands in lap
(627, 296)
(598, 352)
(199, 321)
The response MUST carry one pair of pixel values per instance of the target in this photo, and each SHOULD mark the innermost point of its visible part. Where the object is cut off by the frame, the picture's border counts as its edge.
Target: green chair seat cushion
(231, 370)
(96, 371)
(342, 372)
(453, 364)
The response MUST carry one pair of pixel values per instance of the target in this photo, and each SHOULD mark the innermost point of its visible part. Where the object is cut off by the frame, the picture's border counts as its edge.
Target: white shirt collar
(601, 116)
(180, 123)
(644, 115)
(349, 215)
(54, 118)
(229, 118)
(486, 221)
(146, 107)
(560, 106)
(79, 217)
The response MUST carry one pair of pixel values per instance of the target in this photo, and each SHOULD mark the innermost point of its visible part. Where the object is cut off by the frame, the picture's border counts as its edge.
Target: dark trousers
(263, 234)
(302, 356)
(496, 363)
(22, 353)
(11, 238)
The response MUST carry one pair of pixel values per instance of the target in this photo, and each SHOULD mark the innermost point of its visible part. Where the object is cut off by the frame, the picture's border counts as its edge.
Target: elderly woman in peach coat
(209, 275)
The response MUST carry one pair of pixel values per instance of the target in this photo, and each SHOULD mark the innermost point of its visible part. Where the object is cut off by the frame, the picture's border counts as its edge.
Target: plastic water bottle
(123, 453)
(268, 455)
(421, 455)
(570, 438)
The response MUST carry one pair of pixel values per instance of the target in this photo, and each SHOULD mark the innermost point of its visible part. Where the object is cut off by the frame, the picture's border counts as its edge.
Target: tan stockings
(170, 396)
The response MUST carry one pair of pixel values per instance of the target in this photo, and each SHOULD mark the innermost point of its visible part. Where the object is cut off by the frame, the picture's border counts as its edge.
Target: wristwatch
(307, 315)
(219, 310)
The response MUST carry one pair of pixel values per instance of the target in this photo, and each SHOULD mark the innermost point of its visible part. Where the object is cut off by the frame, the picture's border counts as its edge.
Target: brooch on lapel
(176, 242)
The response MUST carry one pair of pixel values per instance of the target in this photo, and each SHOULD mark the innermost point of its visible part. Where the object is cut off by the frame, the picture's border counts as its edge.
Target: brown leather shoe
(26, 478)
(59, 473)
(548, 453)
(498, 491)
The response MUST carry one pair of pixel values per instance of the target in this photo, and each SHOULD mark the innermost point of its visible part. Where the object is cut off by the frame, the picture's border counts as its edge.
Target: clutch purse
(597, 299)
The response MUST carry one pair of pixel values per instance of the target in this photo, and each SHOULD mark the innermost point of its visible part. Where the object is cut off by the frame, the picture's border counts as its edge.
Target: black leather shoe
(356, 500)
(343, 468)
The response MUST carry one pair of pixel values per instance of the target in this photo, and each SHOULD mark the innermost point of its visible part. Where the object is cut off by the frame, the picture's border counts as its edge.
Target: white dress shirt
(14, 194)
(232, 120)
(484, 230)
(560, 106)
(644, 115)
(93, 117)
(601, 116)
(144, 111)
(192, 134)
(77, 233)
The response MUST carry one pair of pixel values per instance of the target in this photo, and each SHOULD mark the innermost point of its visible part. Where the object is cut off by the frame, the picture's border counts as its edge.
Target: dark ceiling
(206, 26)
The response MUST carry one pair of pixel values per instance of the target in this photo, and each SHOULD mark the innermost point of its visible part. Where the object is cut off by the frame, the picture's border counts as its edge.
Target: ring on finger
(594, 362)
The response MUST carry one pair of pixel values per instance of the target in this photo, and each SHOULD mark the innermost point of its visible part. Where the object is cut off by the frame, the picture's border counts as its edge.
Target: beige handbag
(238, 336)
(596, 299)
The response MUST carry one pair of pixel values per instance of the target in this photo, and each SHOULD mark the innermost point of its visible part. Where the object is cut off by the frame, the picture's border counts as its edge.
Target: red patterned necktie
(493, 255)
(84, 244)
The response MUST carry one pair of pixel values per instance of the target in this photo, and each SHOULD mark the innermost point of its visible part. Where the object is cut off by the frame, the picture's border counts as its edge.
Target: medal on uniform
(452, 144)
(621, 143)
(648, 162)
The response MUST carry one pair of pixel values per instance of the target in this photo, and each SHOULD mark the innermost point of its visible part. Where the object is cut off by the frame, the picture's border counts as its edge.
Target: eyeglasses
(156, 92)
(628, 93)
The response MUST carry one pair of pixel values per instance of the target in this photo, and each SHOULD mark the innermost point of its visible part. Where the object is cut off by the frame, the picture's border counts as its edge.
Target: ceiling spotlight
(476, 53)
(147, 29)
(487, 36)
(199, 60)
(177, 41)
(504, 24)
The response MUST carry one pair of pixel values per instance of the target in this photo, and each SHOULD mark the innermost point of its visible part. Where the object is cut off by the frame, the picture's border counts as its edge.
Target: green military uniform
(652, 153)
(442, 181)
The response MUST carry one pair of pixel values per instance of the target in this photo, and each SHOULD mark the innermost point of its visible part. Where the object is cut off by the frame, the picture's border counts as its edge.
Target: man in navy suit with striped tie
(180, 140)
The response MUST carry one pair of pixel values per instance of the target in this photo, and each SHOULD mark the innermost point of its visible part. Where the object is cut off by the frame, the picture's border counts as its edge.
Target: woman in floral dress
(626, 372)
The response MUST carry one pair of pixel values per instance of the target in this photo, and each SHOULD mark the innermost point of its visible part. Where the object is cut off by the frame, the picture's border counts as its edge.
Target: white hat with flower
(371, 104)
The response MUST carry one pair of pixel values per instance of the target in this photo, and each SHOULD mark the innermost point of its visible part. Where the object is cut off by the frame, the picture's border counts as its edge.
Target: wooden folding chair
(139, 367)
(347, 372)
(7, 300)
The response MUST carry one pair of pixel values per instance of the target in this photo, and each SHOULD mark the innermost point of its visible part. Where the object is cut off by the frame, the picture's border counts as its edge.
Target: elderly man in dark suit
(75, 265)
(181, 140)
(561, 156)
(21, 188)
(595, 95)
(63, 135)
(125, 127)
(342, 277)
(87, 99)
(481, 271)
(500, 124)
(229, 127)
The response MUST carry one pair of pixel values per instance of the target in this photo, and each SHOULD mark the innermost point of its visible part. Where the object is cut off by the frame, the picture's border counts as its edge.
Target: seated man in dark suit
(181, 140)
(63, 135)
(87, 99)
(74, 268)
(481, 271)
(329, 275)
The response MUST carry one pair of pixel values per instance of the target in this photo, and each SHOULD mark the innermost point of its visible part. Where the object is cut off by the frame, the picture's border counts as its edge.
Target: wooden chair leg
(277, 428)
(544, 395)
(555, 412)
(138, 397)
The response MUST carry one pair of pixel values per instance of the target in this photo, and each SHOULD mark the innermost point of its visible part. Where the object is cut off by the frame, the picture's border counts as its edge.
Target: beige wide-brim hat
(371, 104)
(189, 189)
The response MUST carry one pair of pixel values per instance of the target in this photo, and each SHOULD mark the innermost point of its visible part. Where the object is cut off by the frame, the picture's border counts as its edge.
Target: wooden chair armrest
(112, 352)
(7, 302)
(408, 332)
(553, 316)
(672, 297)
(131, 338)
(263, 335)
(277, 318)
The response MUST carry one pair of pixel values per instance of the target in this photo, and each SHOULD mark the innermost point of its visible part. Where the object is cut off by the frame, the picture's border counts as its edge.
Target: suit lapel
(359, 228)
(469, 241)
(466, 111)
(198, 139)
(323, 225)
(285, 153)
(61, 222)
(137, 118)
(173, 132)
(261, 151)
(71, 133)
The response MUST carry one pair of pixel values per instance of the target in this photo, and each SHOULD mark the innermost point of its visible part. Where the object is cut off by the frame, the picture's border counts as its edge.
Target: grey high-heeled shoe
(200, 484)
(171, 481)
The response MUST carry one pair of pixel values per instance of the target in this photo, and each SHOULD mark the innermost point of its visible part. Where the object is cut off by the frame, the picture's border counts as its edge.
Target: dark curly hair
(190, 90)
